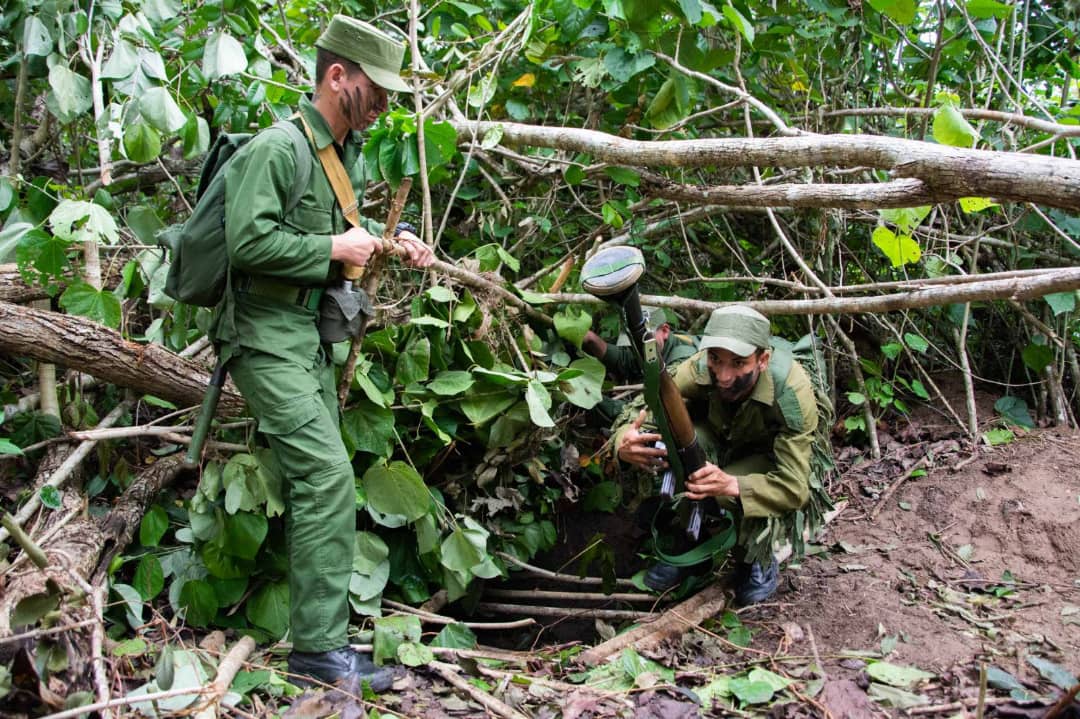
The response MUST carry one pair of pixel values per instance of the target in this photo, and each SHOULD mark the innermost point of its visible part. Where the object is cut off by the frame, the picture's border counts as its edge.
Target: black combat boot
(343, 667)
(755, 583)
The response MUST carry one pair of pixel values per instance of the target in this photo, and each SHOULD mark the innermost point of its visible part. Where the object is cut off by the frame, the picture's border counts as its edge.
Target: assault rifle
(612, 275)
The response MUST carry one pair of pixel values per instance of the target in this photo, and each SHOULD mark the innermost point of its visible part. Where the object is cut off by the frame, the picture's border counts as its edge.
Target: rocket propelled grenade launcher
(612, 274)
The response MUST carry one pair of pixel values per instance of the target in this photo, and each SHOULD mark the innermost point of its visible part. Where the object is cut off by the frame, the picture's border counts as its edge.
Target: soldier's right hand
(636, 447)
(354, 247)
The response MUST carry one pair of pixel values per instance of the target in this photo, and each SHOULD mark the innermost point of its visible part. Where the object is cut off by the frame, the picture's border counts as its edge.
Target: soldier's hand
(711, 481)
(354, 247)
(412, 250)
(636, 447)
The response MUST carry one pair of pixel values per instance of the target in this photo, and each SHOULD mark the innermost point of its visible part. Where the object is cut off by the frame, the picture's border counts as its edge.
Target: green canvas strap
(721, 541)
(286, 294)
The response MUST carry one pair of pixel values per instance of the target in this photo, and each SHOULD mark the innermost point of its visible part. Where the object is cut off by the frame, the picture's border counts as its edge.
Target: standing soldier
(267, 329)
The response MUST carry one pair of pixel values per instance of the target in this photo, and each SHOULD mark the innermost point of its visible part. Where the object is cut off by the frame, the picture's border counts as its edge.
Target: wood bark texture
(946, 172)
(87, 346)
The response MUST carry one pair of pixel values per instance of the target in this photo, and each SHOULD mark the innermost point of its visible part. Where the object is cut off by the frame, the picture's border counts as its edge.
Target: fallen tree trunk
(946, 173)
(81, 546)
(89, 347)
(14, 289)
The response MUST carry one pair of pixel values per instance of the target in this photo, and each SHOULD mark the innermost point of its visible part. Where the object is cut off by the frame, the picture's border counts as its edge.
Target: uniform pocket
(311, 220)
(290, 415)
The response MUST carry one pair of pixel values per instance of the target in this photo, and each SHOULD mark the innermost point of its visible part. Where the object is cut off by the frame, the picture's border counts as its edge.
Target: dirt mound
(982, 563)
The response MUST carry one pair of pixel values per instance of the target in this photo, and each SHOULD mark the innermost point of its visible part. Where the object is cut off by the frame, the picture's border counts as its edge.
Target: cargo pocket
(288, 416)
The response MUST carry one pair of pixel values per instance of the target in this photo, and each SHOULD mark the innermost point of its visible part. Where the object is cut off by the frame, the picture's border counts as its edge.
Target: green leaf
(751, 692)
(7, 194)
(158, 11)
(371, 566)
(902, 11)
(153, 526)
(906, 219)
(130, 648)
(896, 697)
(775, 681)
(159, 108)
(1015, 411)
(539, 400)
(70, 96)
(440, 143)
(976, 204)
(622, 66)
(269, 608)
(198, 600)
(413, 364)
(82, 299)
(123, 61)
(142, 143)
(37, 42)
(573, 324)
(244, 533)
(8, 447)
(998, 436)
(79, 221)
(916, 342)
(623, 176)
(900, 249)
(897, 675)
(1037, 356)
(739, 23)
(396, 489)
(574, 175)
(451, 382)
(369, 428)
(984, 9)
(611, 215)
(1061, 302)
(460, 552)
(455, 636)
(223, 56)
(392, 632)
(1057, 674)
(950, 127)
(149, 578)
(414, 654)
(196, 137)
(692, 10)
(486, 401)
(492, 137)
(50, 496)
(30, 609)
(584, 390)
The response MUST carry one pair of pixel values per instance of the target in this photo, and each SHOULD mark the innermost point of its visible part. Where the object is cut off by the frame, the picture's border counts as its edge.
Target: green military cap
(738, 329)
(655, 318)
(377, 54)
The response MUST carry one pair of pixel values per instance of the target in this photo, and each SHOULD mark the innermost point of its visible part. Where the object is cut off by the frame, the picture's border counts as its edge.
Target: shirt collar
(320, 130)
(763, 389)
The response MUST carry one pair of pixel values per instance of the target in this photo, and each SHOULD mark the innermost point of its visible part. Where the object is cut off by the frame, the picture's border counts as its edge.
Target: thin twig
(227, 670)
(497, 706)
(548, 574)
(896, 485)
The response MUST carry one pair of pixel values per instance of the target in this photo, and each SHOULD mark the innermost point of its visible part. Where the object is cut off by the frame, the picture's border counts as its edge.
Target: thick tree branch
(1006, 118)
(87, 346)
(1011, 288)
(946, 171)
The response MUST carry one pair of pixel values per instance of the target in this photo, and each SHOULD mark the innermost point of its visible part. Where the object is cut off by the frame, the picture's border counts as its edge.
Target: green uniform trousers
(296, 408)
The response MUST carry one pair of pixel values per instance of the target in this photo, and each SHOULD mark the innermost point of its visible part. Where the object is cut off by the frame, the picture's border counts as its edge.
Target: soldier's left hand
(711, 481)
(413, 251)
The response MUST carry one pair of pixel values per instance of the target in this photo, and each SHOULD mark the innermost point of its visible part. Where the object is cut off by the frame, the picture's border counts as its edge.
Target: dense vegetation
(466, 411)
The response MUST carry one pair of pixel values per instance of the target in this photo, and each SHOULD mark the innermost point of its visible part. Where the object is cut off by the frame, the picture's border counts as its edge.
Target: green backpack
(199, 268)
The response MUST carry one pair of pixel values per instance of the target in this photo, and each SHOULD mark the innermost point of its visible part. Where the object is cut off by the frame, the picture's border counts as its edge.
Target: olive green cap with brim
(377, 54)
(738, 329)
(655, 318)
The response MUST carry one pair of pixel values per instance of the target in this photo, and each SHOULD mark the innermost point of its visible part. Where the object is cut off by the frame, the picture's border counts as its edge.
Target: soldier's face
(734, 376)
(361, 101)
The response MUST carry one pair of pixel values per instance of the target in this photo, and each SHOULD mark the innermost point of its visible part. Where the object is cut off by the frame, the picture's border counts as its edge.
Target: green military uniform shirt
(759, 426)
(622, 362)
(273, 248)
